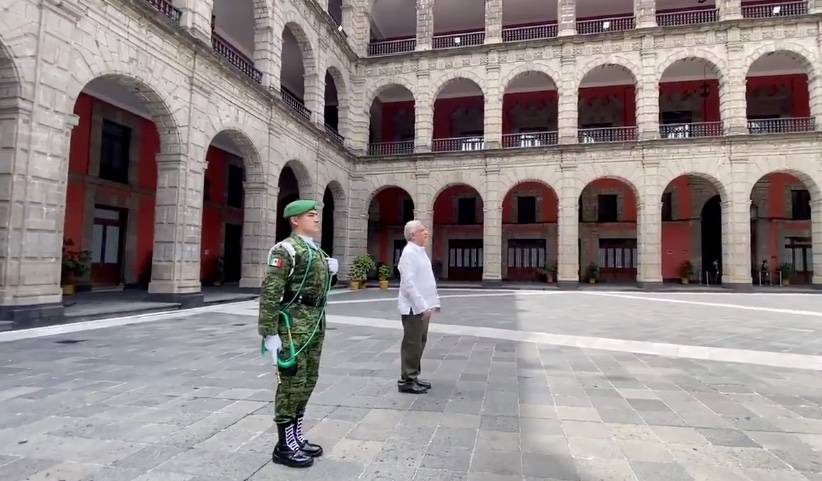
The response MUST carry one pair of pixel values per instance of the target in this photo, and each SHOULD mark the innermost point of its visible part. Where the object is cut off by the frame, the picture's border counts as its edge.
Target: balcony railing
(782, 126)
(235, 58)
(617, 24)
(609, 134)
(165, 7)
(458, 144)
(786, 9)
(528, 140)
(405, 147)
(534, 32)
(334, 134)
(692, 130)
(295, 104)
(392, 47)
(459, 40)
(692, 17)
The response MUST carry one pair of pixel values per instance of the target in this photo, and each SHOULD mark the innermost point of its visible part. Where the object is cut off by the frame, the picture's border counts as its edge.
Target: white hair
(411, 228)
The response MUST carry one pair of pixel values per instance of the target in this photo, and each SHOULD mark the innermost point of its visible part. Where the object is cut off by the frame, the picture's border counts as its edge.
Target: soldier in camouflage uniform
(297, 282)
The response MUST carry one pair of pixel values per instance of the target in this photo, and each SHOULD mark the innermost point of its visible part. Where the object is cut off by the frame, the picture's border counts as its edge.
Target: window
(607, 211)
(677, 117)
(800, 205)
(526, 210)
(407, 210)
(115, 145)
(667, 207)
(798, 253)
(467, 210)
(235, 186)
(526, 253)
(617, 253)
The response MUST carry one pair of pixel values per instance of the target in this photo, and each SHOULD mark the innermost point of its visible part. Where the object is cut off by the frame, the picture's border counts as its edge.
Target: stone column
(493, 103)
(492, 225)
(175, 267)
(356, 25)
(816, 6)
(259, 230)
(649, 229)
(357, 223)
(196, 18)
(567, 17)
(729, 9)
(736, 230)
(266, 51)
(424, 206)
(493, 21)
(425, 24)
(816, 239)
(645, 13)
(568, 91)
(647, 93)
(732, 103)
(568, 230)
(360, 118)
(423, 110)
(313, 97)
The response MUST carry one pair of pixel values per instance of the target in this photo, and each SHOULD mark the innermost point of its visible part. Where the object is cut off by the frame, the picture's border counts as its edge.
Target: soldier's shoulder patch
(277, 262)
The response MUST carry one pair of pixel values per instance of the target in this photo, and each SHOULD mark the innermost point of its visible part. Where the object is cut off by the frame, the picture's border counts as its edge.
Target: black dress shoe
(287, 451)
(423, 383)
(411, 388)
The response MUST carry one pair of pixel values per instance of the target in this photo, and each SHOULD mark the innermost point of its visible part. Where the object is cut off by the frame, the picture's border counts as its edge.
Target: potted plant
(787, 272)
(551, 273)
(686, 270)
(359, 271)
(384, 273)
(75, 264)
(592, 273)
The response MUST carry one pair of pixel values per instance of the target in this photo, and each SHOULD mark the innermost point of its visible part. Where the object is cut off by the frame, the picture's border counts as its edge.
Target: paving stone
(496, 462)
(653, 471)
(726, 437)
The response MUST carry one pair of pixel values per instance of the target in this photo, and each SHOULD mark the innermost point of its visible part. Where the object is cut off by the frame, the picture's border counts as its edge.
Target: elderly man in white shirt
(418, 300)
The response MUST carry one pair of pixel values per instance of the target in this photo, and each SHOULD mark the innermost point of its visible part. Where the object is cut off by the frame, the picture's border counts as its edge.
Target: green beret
(300, 207)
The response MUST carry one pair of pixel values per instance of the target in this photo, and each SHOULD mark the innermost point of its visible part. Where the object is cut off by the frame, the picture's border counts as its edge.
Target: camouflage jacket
(287, 264)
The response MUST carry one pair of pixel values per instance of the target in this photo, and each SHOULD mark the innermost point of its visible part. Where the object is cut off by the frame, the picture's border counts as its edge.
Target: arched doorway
(289, 191)
(390, 208)
(328, 222)
(391, 128)
(607, 232)
(529, 111)
(297, 70)
(234, 33)
(112, 182)
(529, 233)
(778, 94)
(457, 243)
(691, 230)
(607, 105)
(221, 245)
(459, 117)
(689, 100)
(781, 230)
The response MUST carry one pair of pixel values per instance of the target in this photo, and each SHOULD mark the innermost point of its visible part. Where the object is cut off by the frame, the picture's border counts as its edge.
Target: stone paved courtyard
(527, 386)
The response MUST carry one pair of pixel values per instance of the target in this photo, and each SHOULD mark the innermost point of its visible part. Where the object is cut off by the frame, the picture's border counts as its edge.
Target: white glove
(333, 265)
(273, 345)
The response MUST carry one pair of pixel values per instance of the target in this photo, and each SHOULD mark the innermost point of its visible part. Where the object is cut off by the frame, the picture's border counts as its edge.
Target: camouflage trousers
(294, 391)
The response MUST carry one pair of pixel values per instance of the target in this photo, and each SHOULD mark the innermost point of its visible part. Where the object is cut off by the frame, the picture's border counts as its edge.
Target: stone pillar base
(650, 285)
(192, 299)
(492, 283)
(568, 285)
(738, 286)
(34, 312)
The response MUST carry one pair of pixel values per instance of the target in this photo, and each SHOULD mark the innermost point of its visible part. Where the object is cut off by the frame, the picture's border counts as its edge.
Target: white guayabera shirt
(418, 289)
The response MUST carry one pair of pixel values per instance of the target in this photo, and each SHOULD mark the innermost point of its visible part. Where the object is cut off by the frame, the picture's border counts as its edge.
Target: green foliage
(592, 272)
(75, 263)
(384, 272)
(787, 270)
(362, 266)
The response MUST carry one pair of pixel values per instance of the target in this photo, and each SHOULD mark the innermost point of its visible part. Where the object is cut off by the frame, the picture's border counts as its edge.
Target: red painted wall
(627, 93)
(390, 207)
(797, 84)
(547, 204)
(445, 108)
(710, 104)
(146, 164)
(510, 101)
(389, 111)
(215, 213)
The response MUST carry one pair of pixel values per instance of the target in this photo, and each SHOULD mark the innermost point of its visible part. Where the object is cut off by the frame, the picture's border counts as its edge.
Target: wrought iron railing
(692, 130)
(235, 57)
(608, 134)
(392, 47)
(616, 24)
(165, 7)
(530, 139)
(459, 40)
(786, 9)
(334, 134)
(782, 126)
(405, 147)
(458, 144)
(534, 32)
(691, 17)
(295, 104)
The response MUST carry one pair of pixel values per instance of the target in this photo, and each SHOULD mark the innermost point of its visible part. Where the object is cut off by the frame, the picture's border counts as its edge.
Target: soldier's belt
(304, 299)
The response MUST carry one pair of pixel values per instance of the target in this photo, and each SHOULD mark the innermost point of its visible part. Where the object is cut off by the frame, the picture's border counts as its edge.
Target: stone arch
(450, 78)
(304, 181)
(396, 82)
(616, 61)
(714, 62)
(510, 178)
(761, 170)
(10, 80)
(712, 179)
(408, 189)
(542, 68)
(805, 57)
(252, 160)
(156, 103)
(304, 42)
(447, 185)
(343, 98)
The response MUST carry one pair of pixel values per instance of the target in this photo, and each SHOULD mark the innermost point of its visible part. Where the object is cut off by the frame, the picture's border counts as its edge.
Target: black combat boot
(287, 451)
(313, 450)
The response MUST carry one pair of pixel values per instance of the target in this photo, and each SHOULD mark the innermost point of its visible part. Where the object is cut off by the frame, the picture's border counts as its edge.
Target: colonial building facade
(628, 139)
